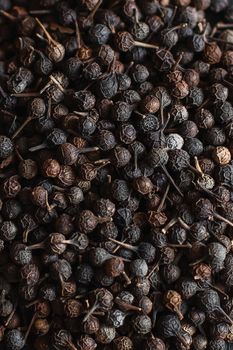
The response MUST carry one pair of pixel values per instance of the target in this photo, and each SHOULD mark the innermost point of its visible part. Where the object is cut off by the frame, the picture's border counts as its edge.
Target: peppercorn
(6, 147)
(14, 340)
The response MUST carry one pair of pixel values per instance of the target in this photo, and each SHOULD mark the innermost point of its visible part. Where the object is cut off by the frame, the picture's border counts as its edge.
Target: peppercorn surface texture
(116, 177)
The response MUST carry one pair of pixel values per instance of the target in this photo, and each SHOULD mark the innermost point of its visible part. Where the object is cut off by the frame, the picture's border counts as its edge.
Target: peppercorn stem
(193, 169)
(71, 241)
(83, 114)
(160, 207)
(57, 83)
(126, 306)
(126, 277)
(217, 289)
(40, 245)
(155, 267)
(30, 326)
(225, 314)
(72, 347)
(93, 12)
(78, 35)
(40, 12)
(173, 15)
(183, 25)
(197, 165)
(183, 224)
(221, 41)
(198, 261)
(11, 315)
(124, 245)
(4, 111)
(224, 25)
(179, 313)
(118, 247)
(220, 217)
(102, 161)
(90, 312)
(87, 150)
(38, 147)
(171, 180)
(146, 45)
(26, 94)
(25, 123)
(171, 223)
(8, 15)
(49, 37)
(178, 61)
(188, 245)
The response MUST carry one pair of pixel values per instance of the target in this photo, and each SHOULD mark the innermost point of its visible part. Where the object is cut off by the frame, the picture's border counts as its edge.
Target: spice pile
(116, 179)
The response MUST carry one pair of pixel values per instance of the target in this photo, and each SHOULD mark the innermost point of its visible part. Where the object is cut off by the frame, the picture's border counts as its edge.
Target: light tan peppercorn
(221, 155)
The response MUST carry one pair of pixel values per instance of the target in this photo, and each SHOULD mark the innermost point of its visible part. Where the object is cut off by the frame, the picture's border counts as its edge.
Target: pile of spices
(116, 178)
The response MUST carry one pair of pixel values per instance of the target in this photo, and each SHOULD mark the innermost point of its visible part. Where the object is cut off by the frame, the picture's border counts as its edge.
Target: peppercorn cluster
(116, 178)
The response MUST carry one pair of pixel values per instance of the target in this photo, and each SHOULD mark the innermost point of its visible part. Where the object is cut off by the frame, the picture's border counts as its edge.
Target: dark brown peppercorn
(51, 168)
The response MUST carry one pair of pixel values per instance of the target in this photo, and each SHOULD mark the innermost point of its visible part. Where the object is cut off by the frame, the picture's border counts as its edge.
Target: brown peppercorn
(206, 165)
(227, 58)
(149, 104)
(28, 169)
(88, 171)
(66, 176)
(212, 53)
(173, 302)
(72, 308)
(146, 305)
(153, 343)
(87, 343)
(85, 53)
(174, 76)
(83, 184)
(67, 153)
(11, 187)
(123, 343)
(181, 90)
(40, 196)
(42, 343)
(43, 309)
(114, 267)
(68, 289)
(56, 243)
(79, 142)
(157, 219)
(124, 41)
(221, 155)
(87, 221)
(51, 167)
(64, 224)
(143, 185)
(91, 325)
(153, 201)
(41, 326)
(29, 274)
(191, 77)
(202, 272)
